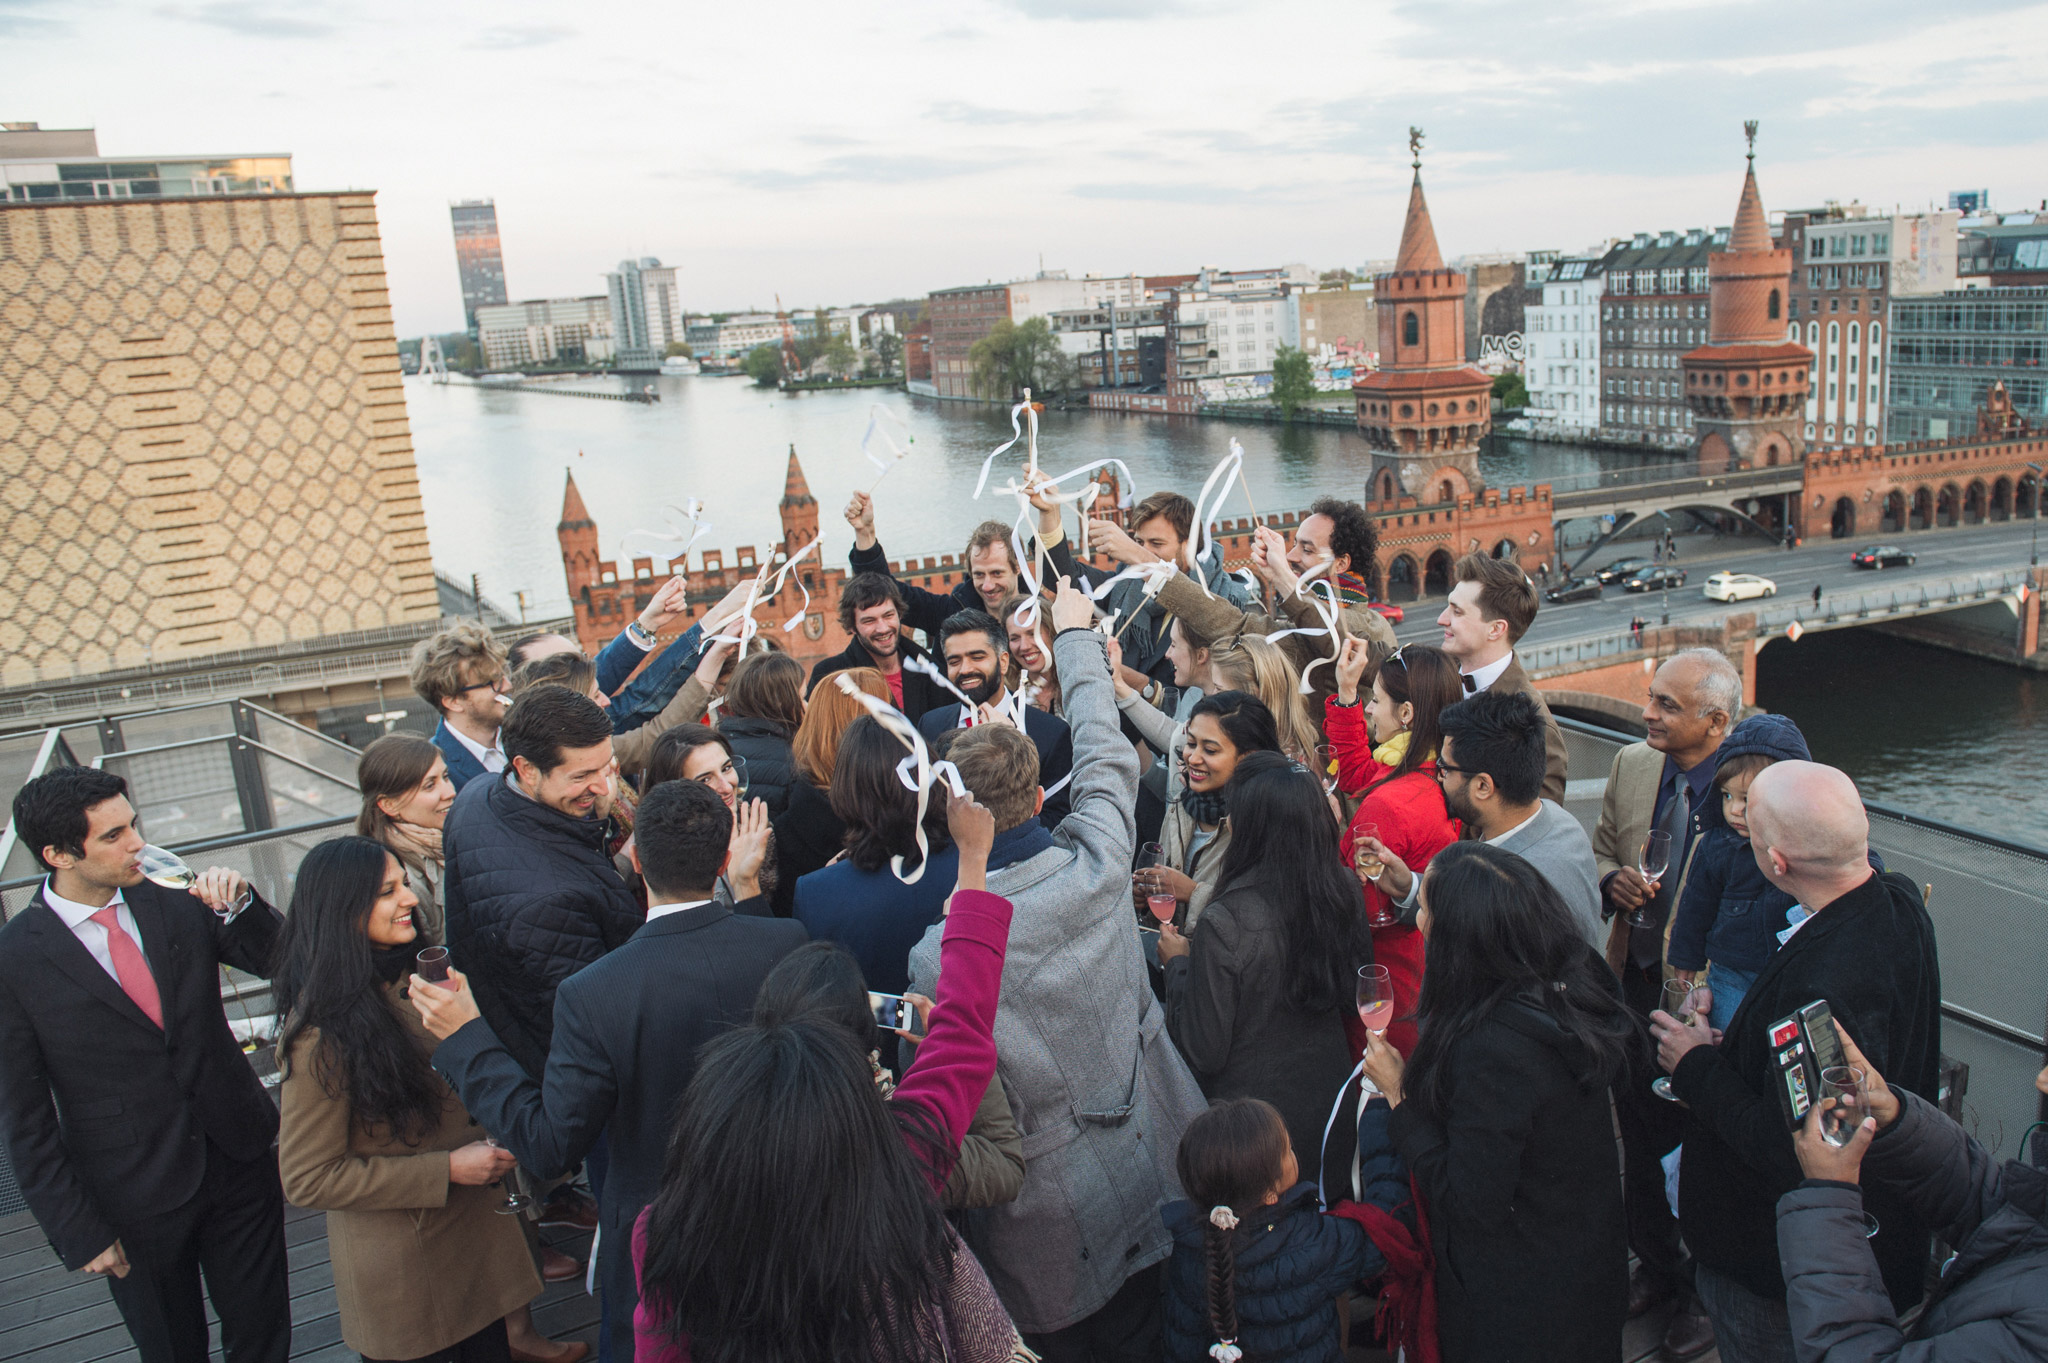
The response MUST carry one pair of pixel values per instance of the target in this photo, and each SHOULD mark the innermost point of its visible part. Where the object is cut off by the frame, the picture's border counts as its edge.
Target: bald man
(1859, 939)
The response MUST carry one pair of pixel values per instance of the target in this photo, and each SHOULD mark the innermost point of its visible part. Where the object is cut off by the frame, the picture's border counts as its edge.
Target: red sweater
(954, 1064)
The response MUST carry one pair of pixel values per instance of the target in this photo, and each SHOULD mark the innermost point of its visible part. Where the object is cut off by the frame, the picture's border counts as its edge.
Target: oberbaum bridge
(239, 756)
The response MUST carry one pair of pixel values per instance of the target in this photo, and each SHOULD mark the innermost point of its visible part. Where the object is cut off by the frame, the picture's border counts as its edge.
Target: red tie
(130, 967)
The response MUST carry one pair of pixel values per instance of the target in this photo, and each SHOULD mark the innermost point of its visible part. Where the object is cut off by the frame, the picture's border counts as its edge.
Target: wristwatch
(640, 634)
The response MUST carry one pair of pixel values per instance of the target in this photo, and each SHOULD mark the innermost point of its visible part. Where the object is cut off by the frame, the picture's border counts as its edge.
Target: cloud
(17, 22)
(862, 169)
(511, 37)
(1093, 11)
(251, 19)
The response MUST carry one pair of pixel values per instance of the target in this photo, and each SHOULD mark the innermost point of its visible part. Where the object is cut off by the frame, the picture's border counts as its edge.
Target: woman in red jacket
(1390, 744)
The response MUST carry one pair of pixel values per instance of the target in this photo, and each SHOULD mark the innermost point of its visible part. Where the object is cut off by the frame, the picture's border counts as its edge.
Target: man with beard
(991, 569)
(977, 657)
(871, 610)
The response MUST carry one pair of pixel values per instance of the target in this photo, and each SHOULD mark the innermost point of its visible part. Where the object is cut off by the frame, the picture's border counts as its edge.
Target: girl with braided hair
(1257, 1267)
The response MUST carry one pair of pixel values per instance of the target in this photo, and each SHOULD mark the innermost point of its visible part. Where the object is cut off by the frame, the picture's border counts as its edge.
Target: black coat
(1522, 1184)
(1292, 1262)
(764, 746)
(1227, 1012)
(531, 898)
(921, 609)
(1871, 955)
(920, 693)
(1048, 733)
(807, 836)
(106, 1117)
(627, 1031)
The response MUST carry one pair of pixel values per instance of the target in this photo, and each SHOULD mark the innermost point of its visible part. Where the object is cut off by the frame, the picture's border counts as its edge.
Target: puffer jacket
(1731, 914)
(764, 746)
(1991, 1305)
(530, 898)
(1292, 1261)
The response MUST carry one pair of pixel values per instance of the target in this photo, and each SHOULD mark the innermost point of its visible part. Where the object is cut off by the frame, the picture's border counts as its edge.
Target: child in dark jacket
(1256, 1267)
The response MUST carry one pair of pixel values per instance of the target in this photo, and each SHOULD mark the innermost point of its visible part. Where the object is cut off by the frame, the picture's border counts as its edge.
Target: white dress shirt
(1483, 678)
(655, 911)
(492, 757)
(90, 935)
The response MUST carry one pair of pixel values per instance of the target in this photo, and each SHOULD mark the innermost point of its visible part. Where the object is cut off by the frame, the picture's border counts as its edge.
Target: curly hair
(1354, 535)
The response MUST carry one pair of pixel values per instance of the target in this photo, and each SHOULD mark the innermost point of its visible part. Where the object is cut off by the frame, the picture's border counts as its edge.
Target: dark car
(1882, 556)
(1574, 589)
(1621, 570)
(1650, 579)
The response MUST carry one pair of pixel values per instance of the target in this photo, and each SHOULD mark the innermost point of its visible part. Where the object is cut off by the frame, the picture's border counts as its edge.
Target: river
(1946, 735)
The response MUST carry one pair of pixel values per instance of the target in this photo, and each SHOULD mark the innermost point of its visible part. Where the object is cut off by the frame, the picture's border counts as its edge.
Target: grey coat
(1992, 1305)
(1095, 1084)
(1556, 844)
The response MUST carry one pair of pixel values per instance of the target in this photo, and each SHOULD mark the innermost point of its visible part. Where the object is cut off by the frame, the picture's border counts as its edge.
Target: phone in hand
(1803, 1046)
(893, 1011)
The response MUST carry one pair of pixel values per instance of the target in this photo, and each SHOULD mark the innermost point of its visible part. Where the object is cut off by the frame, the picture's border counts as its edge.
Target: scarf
(1351, 589)
(1407, 1314)
(392, 964)
(420, 841)
(1390, 753)
(1205, 807)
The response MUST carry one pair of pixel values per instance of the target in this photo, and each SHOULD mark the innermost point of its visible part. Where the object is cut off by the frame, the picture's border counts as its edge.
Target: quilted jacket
(531, 898)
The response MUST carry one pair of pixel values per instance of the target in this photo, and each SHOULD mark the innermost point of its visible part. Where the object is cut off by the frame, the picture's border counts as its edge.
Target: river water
(1942, 734)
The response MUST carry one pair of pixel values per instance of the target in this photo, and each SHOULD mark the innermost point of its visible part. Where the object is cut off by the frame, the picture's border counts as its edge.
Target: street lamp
(2034, 549)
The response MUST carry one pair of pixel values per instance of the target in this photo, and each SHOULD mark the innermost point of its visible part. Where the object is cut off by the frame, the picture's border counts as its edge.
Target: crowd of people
(1233, 968)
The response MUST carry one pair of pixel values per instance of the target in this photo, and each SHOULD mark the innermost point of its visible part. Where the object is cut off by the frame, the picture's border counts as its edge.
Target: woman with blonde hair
(1037, 677)
(1250, 663)
(809, 834)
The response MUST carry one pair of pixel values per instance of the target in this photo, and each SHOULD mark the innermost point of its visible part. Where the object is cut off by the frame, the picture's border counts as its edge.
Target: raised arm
(922, 609)
(1104, 788)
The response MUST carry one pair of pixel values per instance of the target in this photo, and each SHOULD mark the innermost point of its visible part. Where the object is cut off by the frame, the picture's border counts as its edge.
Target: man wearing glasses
(461, 673)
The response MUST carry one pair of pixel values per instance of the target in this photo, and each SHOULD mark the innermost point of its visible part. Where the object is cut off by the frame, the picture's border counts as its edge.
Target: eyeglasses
(1443, 766)
(496, 683)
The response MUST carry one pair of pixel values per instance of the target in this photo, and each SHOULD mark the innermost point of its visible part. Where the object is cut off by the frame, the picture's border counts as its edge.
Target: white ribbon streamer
(1016, 434)
(917, 771)
(749, 627)
(877, 415)
(676, 533)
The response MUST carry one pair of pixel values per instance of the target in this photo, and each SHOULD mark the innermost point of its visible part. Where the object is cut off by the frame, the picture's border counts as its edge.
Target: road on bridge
(1942, 554)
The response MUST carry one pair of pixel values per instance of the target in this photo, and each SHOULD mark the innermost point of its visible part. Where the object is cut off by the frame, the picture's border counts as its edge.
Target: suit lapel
(70, 957)
(157, 947)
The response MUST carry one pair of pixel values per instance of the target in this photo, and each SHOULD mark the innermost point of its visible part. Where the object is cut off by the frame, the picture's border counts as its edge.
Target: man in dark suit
(626, 1029)
(460, 674)
(871, 609)
(977, 653)
(1491, 607)
(139, 1133)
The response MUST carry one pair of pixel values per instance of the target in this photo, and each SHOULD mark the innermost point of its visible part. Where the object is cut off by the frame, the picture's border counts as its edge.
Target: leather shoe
(1688, 1336)
(569, 1209)
(557, 1267)
(565, 1351)
(1647, 1292)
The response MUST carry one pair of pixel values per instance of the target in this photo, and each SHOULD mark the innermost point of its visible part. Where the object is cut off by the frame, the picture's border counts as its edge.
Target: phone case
(1796, 1058)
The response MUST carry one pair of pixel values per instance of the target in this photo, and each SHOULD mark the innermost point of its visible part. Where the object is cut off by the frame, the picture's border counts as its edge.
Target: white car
(1738, 587)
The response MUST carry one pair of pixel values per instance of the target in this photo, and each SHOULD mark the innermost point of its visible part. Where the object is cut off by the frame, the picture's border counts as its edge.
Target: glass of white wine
(167, 869)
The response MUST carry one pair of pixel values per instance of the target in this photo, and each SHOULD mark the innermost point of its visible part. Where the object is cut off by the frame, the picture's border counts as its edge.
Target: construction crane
(792, 367)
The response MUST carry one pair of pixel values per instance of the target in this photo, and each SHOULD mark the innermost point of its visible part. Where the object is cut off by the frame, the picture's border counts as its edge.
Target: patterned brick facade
(203, 441)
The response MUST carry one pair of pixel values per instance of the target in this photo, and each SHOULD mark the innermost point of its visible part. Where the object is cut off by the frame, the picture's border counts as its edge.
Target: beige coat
(632, 748)
(419, 1263)
(1176, 834)
(1625, 813)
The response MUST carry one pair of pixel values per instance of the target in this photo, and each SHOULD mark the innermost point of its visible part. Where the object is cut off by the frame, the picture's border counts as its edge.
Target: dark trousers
(598, 1164)
(1127, 1329)
(232, 1231)
(1650, 1127)
(487, 1345)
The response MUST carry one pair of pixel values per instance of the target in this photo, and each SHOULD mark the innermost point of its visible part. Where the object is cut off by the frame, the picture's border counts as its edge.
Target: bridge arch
(1948, 506)
(1401, 583)
(2001, 499)
(1436, 574)
(1507, 549)
(1894, 519)
(1923, 509)
(1843, 524)
(1974, 499)
(2026, 495)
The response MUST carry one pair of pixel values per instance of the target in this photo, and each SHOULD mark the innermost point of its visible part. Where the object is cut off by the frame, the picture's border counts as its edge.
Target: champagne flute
(1682, 1001)
(1653, 862)
(1375, 998)
(1326, 768)
(517, 1199)
(1150, 857)
(1369, 867)
(1838, 1122)
(167, 869)
(740, 779)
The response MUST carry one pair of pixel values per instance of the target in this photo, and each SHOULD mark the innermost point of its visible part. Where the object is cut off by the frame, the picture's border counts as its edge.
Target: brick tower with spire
(1746, 388)
(578, 536)
(798, 508)
(1424, 411)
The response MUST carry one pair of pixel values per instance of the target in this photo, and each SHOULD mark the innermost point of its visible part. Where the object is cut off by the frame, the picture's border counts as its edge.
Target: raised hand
(748, 848)
(1071, 608)
(974, 832)
(1352, 661)
(444, 1007)
(1114, 540)
(860, 514)
(669, 604)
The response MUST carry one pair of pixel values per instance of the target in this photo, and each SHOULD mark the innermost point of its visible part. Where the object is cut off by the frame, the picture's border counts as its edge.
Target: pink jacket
(954, 1064)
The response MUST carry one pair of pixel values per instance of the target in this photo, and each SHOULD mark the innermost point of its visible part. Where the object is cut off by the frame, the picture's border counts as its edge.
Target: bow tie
(1471, 685)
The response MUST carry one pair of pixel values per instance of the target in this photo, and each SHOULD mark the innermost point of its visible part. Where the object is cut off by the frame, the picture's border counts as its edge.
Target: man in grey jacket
(1098, 1089)
(1992, 1303)
(1491, 768)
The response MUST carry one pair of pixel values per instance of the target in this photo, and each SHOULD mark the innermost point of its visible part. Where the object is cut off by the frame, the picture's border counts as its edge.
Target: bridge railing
(1685, 473)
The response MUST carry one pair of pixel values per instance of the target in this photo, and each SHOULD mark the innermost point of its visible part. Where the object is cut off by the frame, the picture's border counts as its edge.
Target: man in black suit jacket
(627, 1029)
(138, 1131)
(977, 652)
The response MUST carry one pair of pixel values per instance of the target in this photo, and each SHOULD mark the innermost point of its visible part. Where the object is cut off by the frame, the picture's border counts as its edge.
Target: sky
(834, 153)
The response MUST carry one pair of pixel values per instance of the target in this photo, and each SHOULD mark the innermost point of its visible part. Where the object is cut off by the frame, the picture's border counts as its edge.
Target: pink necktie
(130, 967)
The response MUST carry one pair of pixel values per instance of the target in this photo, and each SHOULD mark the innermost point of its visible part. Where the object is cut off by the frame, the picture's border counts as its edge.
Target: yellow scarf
(1390, 753)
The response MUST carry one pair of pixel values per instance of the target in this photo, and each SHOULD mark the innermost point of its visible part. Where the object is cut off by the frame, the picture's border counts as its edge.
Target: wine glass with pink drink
(1375, 998)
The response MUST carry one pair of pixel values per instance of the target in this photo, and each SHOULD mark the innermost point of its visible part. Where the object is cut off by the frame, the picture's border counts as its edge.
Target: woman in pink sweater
(799, 1215)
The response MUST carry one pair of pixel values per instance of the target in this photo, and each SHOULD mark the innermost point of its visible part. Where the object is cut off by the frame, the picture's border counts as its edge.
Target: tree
(1014, 356)
(841, 356)
(764, 364)
(1294, 380)
(1509, 388)
(889, 348)
(679, 348)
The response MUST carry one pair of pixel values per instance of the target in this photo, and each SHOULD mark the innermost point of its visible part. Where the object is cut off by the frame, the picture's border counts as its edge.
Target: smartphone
(1803, 1046)
(893, 1011)
(1817, 1020)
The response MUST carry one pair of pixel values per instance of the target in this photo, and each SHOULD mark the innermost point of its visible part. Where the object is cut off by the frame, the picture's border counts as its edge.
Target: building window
(1410, 328)
(1777, 306)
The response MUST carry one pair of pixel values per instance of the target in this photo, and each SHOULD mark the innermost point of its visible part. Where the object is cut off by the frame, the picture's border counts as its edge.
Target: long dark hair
(1498, 932)
(879, 812)
(331, 979)
(793, 1222)
(671, 752)
(1426, 678)
(1244, 719)
(1283, 838)
(1231, 1156)
(821, 979)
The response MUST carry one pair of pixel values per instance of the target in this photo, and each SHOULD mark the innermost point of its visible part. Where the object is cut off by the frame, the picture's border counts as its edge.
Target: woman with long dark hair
(1388, 749)
(798, 1218)
(1503, 1115)
(406, 797)
(693, 752)
(423, 1267)
(764, 706)
(1256, 1001)
(1221, 730)
(859, 902)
